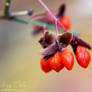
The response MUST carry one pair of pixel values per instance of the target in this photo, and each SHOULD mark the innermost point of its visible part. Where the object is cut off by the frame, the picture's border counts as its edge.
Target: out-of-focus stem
(1, 15)
(7, 7)
(18, 13)
(47, 26)
(22, 13)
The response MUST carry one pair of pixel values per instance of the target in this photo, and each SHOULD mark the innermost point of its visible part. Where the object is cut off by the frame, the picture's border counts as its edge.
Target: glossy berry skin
(45, 65)
(67, 59)
(82, 56)
(65, 21)
(56, 63)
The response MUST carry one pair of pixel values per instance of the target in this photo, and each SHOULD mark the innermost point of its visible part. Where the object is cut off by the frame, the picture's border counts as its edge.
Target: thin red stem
(57, 31)
(44, 31)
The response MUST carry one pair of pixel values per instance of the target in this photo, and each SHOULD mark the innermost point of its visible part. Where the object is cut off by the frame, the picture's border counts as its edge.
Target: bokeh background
(19, 51)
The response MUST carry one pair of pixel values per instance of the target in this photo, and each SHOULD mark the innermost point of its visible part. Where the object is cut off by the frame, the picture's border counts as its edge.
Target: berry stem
(57, 31)
(53, 16)
(49, 11)
(44, 31)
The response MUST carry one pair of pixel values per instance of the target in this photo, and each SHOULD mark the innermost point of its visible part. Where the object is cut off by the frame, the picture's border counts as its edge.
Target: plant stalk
(47, 26)
(7, 8)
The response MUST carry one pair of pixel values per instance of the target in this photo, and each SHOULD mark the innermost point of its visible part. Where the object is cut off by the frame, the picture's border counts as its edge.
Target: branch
(22, 13)
(48, 27)
(18, 13)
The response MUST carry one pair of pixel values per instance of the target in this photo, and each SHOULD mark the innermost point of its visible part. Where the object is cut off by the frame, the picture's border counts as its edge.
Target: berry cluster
(82, 56)
(58, 61)
(56, 56)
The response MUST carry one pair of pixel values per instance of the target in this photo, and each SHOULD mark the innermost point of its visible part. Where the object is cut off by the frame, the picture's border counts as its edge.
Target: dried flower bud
(61, 11)
(65, 38)
(47, 39)
(50, 50)
(52, 46)
(77, 41)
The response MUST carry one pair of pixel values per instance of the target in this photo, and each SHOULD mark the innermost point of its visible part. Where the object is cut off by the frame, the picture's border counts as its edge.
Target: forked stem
(53, 16)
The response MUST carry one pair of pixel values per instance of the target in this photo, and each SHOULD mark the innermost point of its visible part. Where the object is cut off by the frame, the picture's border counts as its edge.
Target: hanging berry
(45, 65)
(65, 21)
(67, 59)
(80, 49)
(56, 62)
(82, 56)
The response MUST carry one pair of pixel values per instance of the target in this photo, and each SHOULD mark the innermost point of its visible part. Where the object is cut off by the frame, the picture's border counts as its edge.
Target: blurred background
(20, 51)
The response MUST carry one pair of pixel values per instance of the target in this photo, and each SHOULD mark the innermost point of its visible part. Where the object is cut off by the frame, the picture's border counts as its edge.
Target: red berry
(56, 63)
(45, 65)
(67, 59)
(82, 56)
(66, 22)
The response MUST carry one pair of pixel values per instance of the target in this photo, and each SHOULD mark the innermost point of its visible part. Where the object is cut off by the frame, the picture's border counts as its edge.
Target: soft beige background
(19, 51)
